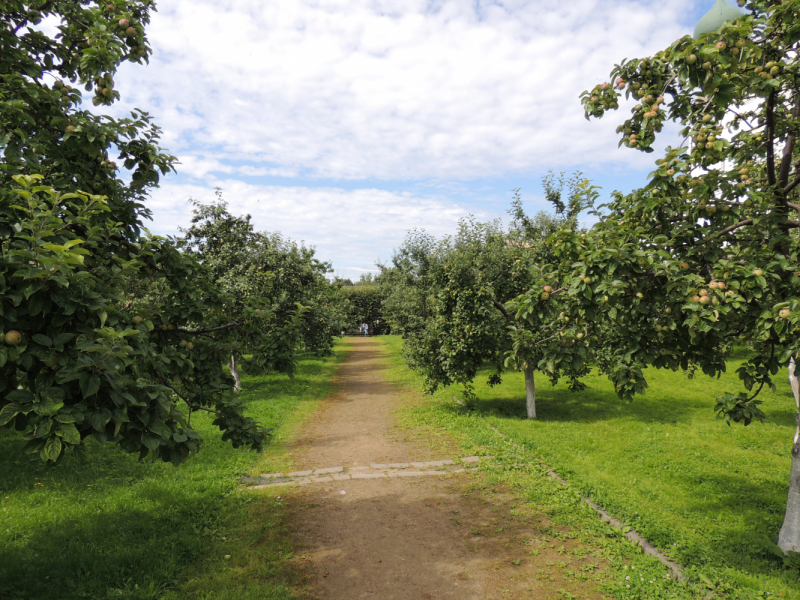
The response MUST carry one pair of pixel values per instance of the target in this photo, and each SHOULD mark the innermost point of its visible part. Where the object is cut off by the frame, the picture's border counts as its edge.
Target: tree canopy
(108, 332)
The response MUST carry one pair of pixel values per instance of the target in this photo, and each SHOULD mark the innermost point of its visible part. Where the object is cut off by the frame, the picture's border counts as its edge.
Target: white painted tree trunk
(237, 380)
(789, 538)
(530, 392)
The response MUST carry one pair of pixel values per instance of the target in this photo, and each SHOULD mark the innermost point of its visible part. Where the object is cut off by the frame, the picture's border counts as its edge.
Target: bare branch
(502, 309)
(788, 150)
(211, 330)
(791, 186)
(188, 403)
(736, 226)
(770, 141)
(552, 337)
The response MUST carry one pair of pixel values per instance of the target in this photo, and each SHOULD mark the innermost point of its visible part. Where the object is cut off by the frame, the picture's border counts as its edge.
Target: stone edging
(632, 535)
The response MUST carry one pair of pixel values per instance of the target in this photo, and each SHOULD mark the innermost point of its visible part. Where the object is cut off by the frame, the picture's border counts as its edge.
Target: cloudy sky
(343, 124)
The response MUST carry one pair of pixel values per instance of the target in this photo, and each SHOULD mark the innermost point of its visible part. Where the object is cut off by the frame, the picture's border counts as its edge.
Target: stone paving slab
(300, 473)
(329, 470)
(373, 471)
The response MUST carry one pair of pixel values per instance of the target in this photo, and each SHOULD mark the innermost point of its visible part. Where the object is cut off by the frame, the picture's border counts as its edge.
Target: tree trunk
(235, 372)
(530, 392)
(789, 538)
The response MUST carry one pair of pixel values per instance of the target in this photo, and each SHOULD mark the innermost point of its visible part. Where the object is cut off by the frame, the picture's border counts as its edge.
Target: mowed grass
(114, 527)
(709, 496)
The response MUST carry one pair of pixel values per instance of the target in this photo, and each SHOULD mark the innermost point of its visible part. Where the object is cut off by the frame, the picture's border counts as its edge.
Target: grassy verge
(114, 527)
(710, 497)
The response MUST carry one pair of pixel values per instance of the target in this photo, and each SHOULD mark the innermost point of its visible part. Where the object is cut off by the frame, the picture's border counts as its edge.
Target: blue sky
(344, 124)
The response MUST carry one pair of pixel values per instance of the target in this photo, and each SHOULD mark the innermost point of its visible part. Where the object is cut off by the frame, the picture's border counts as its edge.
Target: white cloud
(354, 227)
(428, 96)
(389, 90)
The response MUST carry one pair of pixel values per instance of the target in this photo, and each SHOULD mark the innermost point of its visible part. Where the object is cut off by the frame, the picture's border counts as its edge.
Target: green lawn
(710, 496)
(114, 527)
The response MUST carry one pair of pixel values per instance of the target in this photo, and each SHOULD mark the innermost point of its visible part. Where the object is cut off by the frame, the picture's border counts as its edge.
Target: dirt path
(411, 537)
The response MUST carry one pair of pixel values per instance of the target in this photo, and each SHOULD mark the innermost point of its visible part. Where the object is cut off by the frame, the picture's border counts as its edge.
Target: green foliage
(363, 304)
(107, 346)
(708, 251)
(248, 265)
(105, 329)
(449, 297)
(43, 130)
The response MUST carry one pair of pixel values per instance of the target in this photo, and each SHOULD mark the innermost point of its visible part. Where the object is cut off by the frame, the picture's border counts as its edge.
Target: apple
(684, 266)
(721, 45)
(703, 292)
(704, 299)
(658, 328)
(785, 313)
(184, 343)
(668, 310)
(124, 23)
(51, 361)
(758, 272)
(639, 295)
(721, 285)
(13, 337)
(691, 59)
(137, 319)
(695, 298)
(545, 296)
(579, 336)
(713, 285)
(548, 289)
(740, 43)
(190, 345)
(587, 279)
(130, 31)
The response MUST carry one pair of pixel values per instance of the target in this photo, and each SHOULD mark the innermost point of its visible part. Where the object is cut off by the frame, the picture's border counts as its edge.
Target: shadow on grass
(747, 516)
(588, 406)
(23, 471)
(107, 553)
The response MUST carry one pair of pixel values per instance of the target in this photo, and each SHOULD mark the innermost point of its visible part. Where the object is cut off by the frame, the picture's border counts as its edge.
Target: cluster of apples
(768, 71)
(650, 107)
(64, 90)
(603, 97)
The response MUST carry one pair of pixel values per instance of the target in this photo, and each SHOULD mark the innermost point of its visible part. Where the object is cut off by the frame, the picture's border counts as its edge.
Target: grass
(114, 527)
(710, 497)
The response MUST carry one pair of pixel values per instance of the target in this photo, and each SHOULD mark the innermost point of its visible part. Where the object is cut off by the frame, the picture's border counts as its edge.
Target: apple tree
(108, 332)
(706, 253)
(469, 278)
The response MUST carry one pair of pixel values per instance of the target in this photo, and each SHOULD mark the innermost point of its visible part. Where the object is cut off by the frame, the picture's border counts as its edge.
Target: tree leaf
(52, 449)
